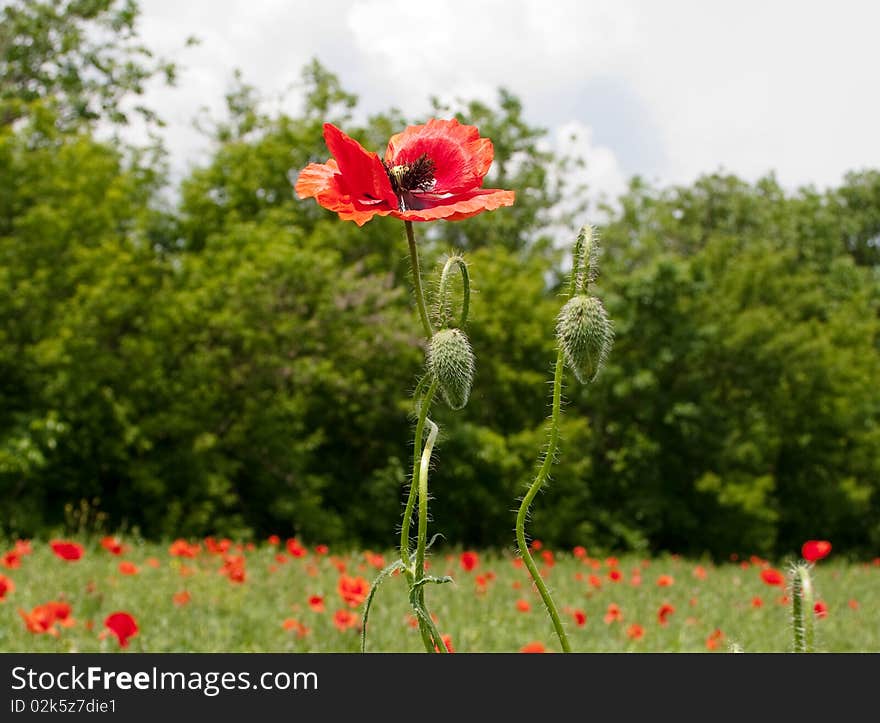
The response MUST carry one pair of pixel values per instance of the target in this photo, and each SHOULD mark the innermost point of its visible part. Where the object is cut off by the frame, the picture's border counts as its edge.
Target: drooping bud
(451, 361)
(585, 335)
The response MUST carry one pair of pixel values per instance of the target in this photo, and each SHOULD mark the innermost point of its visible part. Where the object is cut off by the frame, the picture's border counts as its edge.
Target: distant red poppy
(815, 550)
(580, 618)
(69, 551)
(128, 568)
(321, 549)
(61, 611)
(635, 580)
(430, 172)
(757, 602)
(580, 552)
(295, 625)
(153, 562)
(40, 620)
(447, 643)
(611, 562)
(613, 615)
(22, 547)
(11, 560)
(353, 590)
(523, 605)
(615, 575)
(374, 559)
(468, 560)
(517, 562)
(820, 609)
(273, 540)
(665, 581)
(714, 639)
(316, 603)
(635, 632)
(181, 598)
(122, 625)
(182, 548)
(113, 545)
(853, 604)
(595, 581)
(664, 612)
(548, 557)
(536, 545)
(6, 587)
(295, 549)
(700, 572)
(234, 568)
(534, 647)
(772, 576)
(345, 619)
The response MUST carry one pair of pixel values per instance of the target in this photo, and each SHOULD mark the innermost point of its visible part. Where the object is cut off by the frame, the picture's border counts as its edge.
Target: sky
(666, 90)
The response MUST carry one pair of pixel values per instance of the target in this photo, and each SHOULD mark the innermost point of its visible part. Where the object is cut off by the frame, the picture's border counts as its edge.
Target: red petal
(362, 174)
(316, 178)
(465, 205)
(461, 158)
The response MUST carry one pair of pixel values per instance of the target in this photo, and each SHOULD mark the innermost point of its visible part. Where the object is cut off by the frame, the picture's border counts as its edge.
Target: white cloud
(750, 86)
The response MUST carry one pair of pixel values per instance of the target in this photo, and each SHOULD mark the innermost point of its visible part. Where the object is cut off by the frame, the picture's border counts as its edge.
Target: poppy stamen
(409, 177)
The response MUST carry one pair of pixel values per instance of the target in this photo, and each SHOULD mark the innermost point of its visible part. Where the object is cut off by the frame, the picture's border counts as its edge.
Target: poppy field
(212, 595)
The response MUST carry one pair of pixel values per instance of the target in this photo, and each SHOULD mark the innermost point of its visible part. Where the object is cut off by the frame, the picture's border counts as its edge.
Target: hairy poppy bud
(584, 332)
(451, 361)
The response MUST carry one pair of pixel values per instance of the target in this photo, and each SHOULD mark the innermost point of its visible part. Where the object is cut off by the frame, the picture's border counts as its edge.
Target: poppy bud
(451, 361)
(584, 333)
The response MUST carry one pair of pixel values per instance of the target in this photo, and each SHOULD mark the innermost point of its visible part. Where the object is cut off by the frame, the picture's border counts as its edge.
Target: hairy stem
(417, 280)
(523, 513)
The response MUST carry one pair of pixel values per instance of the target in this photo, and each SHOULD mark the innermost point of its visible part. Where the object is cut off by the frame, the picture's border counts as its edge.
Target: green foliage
(241, 363)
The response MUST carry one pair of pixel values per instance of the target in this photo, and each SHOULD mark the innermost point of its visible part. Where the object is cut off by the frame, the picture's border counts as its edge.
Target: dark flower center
(409, 177)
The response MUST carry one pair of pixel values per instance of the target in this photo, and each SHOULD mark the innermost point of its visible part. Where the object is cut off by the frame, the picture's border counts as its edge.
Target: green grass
(225, 616)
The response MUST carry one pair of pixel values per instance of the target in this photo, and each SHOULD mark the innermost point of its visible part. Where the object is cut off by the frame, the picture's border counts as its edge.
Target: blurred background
(186, 349)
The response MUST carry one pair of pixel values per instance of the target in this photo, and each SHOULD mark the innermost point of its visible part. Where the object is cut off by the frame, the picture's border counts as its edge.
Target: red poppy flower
(233, 568)
(820, 609)
(181, 548)
(273, 540)
(127, 568)
(321, 549)
(447, 643)
(345, 619)
(11, 560)
(595, 581)
(113, 545)
(635, 632)
(153, 562)
(316, 603)
(714, 639)
(757, 602)
(295, 548)
(123, 626)
(853, 604)
(615, 575)
(814, 550)
(468, 560)
(430, 172)
(635, 580)
(772, 577)
(353, 590)
(69, 551)
(665, 581)
(295, 625)
(181, 598)
(6, 587)
(700, 572)
(664, 612)
(534, 647)
(548, 558)
(580, 552)
(23, 547)
(580, 618)
(536, 545)
(39, 620)
(614, 614)
(375, 559)
(523, 605)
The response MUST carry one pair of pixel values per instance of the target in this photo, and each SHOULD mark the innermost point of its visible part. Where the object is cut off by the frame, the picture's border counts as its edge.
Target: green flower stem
(422, 407)
(417, 281)
(527, 501)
